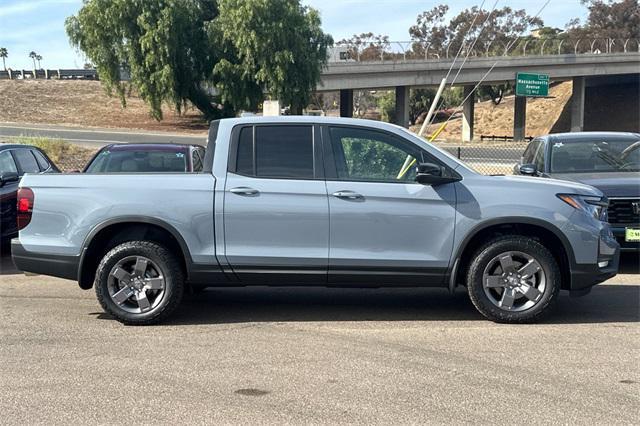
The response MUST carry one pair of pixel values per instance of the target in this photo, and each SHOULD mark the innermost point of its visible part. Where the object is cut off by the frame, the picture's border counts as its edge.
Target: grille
(621, 211)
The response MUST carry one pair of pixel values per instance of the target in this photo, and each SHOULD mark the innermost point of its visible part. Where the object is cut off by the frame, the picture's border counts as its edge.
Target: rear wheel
(513, 279)
(139, 283)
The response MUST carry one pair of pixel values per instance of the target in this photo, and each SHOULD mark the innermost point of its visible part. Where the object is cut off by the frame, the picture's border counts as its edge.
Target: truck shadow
(605, 304)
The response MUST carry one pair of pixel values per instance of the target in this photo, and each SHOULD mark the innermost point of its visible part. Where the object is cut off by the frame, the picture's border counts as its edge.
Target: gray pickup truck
(316, 202)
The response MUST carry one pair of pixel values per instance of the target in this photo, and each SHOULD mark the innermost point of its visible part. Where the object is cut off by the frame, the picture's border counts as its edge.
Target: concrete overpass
(403, 75)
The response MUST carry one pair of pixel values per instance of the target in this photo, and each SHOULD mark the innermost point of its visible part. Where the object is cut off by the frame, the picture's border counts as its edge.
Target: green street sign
(532, 85)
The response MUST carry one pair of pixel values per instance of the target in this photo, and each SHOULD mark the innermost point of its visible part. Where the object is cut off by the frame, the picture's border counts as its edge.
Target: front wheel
(139, 283)
(513, 279)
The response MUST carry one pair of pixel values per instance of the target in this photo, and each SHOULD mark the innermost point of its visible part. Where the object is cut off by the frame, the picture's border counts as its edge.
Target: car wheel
(139, 283)
(513, 279)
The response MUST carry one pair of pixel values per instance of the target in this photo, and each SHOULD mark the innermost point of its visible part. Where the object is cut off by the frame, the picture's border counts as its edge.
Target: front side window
(530, 152)
(276, 152)
(7, 165)
(366, 155)
(538, 159)
(26, 161)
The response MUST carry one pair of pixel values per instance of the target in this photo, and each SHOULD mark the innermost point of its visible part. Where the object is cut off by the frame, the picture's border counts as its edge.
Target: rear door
(276, 215)
(385, 228)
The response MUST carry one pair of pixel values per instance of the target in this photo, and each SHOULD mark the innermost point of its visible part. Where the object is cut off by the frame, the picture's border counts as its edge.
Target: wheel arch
(538, 229)
(115, 231)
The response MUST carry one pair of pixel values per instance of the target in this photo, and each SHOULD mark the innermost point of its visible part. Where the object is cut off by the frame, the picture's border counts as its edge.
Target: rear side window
(42, 162)
(26, 161)
(276, 152)
(7, 165)
(196, 159)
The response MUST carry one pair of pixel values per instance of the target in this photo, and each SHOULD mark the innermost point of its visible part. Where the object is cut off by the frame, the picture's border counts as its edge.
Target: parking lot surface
(295, 355)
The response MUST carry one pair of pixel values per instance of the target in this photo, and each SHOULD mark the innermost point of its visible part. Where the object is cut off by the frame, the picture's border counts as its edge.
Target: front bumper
(44, 264)
(585, 276)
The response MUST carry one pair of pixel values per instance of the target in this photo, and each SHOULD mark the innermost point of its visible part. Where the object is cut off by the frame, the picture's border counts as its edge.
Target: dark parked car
(15, 161)
(147, 158)
(610, 161)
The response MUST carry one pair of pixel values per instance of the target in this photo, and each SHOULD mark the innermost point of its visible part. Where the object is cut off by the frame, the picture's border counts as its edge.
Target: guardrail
(383, 50)
(71, 74)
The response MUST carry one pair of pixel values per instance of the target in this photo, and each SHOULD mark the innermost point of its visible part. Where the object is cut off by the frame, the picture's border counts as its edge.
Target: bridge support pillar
(402, 105)
(520, 119)
(468, 110)
(346, 103)
(577, 105)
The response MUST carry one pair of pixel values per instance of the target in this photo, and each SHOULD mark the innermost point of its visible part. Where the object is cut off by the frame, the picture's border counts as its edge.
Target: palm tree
(39, 58)
(4, 54)
(33, 55)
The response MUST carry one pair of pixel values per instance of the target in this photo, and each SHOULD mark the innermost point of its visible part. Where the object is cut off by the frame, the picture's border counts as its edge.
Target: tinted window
(279, 152)
(370, 155)
(6, 163)
(138, 162)
(244, 164)
(595, 155)
(530, 152)
(26, 161)
(42, 162)
(538, 159)
(196, 159)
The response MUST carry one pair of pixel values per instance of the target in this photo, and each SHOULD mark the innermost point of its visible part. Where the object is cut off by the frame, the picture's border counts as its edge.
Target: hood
(559, 186)
(612, 184)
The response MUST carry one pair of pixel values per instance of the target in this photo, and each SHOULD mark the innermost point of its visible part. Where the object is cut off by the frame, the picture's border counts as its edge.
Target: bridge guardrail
(377, 51)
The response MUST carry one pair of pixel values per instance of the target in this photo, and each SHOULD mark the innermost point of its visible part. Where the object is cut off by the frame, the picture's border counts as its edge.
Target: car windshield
(595, 155)
(138, 162)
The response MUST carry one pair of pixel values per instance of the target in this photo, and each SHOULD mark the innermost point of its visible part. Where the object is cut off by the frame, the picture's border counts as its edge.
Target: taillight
(25, 207)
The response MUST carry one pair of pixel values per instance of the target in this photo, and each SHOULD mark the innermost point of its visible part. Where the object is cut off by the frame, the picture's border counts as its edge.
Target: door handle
(243, 190)
(348, 195)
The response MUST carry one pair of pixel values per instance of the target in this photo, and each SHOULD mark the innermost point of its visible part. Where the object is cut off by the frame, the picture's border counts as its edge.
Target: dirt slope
(497, 120)
(84, 103)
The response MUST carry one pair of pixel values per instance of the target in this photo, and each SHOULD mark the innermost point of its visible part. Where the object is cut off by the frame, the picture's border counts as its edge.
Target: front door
(385, 228)
(276, 215)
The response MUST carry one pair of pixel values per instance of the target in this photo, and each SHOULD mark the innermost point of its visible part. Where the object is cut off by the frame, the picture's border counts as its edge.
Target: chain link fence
(488, 158)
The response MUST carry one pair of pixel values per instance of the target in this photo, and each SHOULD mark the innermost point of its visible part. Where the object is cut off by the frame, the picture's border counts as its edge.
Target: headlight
(593, 206)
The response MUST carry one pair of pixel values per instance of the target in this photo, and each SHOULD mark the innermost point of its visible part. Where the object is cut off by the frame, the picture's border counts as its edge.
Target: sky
(38, 25)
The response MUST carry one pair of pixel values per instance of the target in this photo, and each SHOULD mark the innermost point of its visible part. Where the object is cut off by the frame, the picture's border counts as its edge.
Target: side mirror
(432, 174)
(528, 169)
(7, 177)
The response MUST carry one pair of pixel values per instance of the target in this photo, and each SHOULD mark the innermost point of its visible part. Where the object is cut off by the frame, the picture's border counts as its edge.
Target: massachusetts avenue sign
(532, 85)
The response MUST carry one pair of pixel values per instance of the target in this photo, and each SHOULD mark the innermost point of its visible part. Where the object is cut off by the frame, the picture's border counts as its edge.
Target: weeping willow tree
(183, 51)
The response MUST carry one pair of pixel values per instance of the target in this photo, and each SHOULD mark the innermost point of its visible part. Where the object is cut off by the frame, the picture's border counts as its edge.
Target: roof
(307, 119)
(149, 147)
(15, 145)
(596, 135)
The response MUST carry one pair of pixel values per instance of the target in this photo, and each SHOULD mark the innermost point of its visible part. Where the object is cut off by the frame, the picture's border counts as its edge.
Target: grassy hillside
(84, 103)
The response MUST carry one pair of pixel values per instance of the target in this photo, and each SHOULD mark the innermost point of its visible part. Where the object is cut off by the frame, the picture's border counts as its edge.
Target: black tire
(513, 243)
(173, 282)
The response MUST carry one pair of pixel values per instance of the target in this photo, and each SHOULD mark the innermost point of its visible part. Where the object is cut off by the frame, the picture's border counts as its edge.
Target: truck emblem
(636, 207)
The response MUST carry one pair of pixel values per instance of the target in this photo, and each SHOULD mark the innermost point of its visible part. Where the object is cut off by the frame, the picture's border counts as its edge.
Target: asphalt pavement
(317, 356)
(95, 137)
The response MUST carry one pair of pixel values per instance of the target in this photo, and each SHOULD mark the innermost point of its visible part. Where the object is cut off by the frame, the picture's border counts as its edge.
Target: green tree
(4, 54)
(178, 51)
(608, 19)
(33, 55)
(38, 58)
(387, 106)
(163, 46)
(280, 48)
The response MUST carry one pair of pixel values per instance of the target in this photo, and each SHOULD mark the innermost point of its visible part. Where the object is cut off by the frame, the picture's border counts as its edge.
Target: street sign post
(532, 85)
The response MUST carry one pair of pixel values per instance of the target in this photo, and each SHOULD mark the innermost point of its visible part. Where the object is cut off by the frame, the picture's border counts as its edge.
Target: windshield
(595, 155)
(138, 162)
